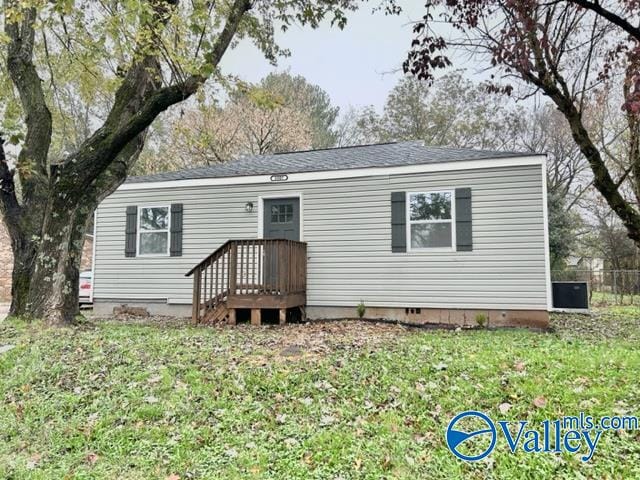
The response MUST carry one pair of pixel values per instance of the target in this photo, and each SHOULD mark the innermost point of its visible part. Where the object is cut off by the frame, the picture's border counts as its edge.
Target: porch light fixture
(248, 207)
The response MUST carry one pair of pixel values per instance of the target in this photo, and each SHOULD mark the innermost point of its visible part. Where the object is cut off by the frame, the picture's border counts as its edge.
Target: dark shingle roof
(364, 156)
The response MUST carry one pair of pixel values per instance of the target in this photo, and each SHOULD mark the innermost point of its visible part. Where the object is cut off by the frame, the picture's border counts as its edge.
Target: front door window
(282, 213)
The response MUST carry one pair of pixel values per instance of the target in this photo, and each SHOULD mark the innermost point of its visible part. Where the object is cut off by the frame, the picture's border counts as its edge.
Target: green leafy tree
(564, 225)
(453, 111)
(123, 63)
(297, 94)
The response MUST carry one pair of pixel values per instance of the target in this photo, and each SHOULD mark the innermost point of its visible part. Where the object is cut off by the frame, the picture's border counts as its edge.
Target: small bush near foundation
(481, 320)
(361, 309)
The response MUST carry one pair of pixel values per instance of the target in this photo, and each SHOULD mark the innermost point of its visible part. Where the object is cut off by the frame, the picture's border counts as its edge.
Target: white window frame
(168, 230)
(409, 222)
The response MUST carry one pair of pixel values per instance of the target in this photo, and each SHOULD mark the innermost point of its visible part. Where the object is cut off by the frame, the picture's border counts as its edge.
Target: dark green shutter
(130, 232)
(464, 232)
(398, 222)
(176, 230)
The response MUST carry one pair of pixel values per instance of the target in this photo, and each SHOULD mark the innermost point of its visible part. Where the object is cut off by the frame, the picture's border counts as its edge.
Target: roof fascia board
(340, 174)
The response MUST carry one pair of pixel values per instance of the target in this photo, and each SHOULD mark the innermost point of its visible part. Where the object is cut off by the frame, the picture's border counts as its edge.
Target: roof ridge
(395, 142)
(397, 153)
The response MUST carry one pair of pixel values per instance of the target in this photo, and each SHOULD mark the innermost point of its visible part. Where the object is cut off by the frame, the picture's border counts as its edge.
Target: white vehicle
(86, 288)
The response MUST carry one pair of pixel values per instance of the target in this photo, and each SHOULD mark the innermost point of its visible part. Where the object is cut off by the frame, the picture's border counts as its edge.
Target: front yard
(134, 399)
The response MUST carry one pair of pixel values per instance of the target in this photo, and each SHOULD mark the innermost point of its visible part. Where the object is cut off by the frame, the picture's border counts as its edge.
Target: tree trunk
(55, 280)
(24, 254)
(55, 271)
(53, 295)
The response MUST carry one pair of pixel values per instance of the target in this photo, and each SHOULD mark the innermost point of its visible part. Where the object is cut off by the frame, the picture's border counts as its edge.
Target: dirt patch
(295, 342)
(319, 337)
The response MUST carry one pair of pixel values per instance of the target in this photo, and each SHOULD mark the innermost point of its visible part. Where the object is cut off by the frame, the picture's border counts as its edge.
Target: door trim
(261, 200)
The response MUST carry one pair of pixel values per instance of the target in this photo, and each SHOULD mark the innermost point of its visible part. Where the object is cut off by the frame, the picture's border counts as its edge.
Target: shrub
(361, 309)
(481, 319)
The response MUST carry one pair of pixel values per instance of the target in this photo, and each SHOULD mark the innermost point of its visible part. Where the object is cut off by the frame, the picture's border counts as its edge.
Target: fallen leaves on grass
(294, 342)
(33, 461)
(540, 402)
(277, 401)
(617, 322)
(327, 420)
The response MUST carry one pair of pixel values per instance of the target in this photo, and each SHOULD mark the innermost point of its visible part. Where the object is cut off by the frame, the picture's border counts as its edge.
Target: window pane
(282, 213)
(154, 218)
(153, 243)
(430, 235)
(430, 206)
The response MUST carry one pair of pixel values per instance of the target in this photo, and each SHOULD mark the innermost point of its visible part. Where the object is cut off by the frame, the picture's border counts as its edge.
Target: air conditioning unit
(570, 295)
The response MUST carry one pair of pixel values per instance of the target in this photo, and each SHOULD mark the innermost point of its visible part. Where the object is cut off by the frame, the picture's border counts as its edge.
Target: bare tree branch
(612, 17)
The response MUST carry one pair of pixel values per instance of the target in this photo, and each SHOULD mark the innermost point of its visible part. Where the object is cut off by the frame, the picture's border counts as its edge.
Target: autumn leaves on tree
(139, 58)
(575, 52)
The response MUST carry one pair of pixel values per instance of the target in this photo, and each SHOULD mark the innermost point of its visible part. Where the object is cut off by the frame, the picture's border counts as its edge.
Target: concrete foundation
(440, 316)
(153, 307)
(418, 316)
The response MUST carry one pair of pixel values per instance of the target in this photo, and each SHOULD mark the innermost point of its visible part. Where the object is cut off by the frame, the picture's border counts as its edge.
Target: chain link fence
(606, 287)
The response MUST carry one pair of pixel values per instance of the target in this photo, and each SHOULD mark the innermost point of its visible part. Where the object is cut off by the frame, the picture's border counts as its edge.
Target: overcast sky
(356, 66)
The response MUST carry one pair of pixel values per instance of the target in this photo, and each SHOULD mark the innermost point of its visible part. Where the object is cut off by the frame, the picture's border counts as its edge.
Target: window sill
(432, 250)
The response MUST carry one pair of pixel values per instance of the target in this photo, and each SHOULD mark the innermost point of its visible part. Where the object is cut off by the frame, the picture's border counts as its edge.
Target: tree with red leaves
(578, 53)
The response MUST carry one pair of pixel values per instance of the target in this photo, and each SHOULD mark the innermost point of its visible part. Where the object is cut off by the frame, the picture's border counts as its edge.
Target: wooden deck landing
(250, 274)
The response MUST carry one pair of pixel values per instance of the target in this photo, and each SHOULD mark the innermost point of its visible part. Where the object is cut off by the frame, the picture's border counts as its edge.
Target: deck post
(233, 264)
(195, 312)
(256, 316)
(232, 316)
(282, 314)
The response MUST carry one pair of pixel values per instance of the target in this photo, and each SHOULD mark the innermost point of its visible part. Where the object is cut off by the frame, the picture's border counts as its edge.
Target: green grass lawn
(333, 400)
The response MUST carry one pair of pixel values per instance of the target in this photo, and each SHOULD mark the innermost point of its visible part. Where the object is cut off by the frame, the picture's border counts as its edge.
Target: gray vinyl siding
(347, 225)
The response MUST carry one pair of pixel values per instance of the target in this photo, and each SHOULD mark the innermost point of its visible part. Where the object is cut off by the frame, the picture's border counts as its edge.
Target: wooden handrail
(209, 258)
(248, 267)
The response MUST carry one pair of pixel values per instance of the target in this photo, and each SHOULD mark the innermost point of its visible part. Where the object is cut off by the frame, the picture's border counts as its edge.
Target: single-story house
(398, 231)
(576, 262)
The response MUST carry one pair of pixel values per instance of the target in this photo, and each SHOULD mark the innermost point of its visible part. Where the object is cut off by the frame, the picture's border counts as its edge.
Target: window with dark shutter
(176, 230)
(430, 216)
(398, 222)
(464, 230)
(130, 233)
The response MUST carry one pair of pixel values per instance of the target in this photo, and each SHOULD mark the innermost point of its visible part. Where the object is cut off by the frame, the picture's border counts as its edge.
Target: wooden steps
(253, 274)
(217, 314)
